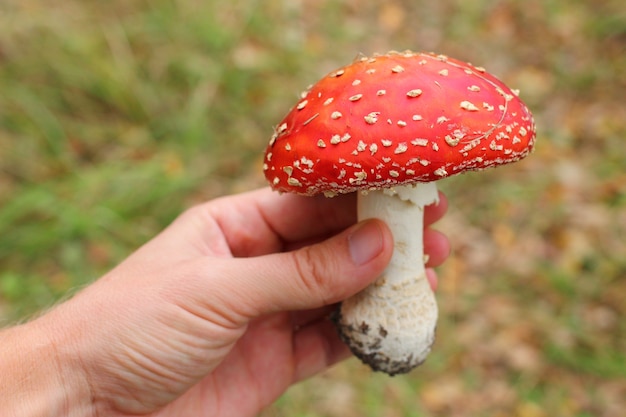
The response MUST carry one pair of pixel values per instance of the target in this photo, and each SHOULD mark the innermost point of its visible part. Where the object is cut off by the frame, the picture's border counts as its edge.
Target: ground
(115, 116)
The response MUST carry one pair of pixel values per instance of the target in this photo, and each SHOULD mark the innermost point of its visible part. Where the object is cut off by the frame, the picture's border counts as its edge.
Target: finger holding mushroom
(389, 126)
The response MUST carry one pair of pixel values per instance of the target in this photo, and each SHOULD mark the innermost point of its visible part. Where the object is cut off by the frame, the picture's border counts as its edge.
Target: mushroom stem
(391, 324)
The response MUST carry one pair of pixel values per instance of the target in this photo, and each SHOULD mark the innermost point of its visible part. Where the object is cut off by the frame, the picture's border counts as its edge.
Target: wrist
(39, 373)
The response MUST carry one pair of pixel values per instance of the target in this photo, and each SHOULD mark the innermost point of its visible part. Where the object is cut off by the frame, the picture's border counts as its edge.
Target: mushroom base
(391, 324)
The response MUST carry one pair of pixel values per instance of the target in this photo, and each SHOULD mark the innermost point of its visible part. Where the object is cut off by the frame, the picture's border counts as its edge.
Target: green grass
(116, 116)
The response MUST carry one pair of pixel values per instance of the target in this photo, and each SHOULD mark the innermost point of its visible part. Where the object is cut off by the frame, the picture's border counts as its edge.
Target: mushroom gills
(391, 324)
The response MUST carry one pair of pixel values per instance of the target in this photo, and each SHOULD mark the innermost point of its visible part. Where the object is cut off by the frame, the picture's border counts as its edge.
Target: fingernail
(365, 243)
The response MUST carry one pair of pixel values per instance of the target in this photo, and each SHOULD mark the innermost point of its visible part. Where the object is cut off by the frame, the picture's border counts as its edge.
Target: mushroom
(389, 126)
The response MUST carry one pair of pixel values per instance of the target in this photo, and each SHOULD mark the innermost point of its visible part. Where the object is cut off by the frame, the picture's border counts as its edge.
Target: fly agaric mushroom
(389, 126)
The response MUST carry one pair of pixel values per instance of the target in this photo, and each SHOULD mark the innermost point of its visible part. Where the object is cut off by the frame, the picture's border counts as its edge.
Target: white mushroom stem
(391, 324)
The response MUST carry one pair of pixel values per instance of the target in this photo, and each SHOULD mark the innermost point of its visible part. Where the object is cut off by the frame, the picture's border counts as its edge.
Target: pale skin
(216, 316)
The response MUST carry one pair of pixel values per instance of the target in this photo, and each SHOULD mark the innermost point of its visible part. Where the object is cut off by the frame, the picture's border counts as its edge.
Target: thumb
(315, 275)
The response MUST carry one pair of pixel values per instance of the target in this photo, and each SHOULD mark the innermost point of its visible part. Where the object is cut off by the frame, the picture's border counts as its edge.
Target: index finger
(295, 218)
(263, 221)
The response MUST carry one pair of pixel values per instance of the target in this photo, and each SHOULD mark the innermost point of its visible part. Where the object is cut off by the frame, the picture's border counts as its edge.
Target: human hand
(227, 307)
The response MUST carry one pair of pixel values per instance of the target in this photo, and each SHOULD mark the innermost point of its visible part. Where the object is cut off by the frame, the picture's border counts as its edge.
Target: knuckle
(195, 212)
(313, 275)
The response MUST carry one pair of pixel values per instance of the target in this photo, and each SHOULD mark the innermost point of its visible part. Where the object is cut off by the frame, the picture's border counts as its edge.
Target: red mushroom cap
(396, 119)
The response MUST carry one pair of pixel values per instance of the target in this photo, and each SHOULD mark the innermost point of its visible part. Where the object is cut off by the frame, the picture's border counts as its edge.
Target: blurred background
(115, 116)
